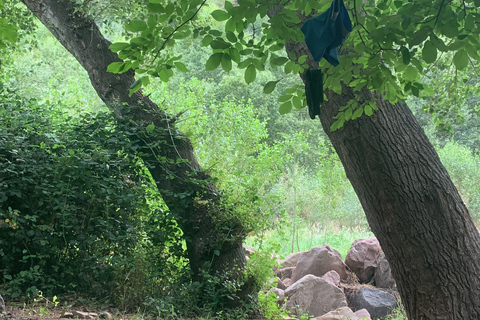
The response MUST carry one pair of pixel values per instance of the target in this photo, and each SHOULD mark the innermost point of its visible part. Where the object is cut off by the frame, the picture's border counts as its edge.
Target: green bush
(78, 211)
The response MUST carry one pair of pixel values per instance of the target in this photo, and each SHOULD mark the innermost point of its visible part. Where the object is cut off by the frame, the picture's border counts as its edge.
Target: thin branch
(173, 32)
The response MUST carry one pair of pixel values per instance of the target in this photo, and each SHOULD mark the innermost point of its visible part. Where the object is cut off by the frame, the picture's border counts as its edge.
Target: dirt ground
(12, 313)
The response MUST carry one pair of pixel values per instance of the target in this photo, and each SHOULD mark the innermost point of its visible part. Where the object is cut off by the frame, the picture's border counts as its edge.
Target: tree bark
(213, 235)
(411, 204)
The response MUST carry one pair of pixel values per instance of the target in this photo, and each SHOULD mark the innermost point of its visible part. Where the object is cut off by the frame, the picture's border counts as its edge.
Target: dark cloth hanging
(323, 35)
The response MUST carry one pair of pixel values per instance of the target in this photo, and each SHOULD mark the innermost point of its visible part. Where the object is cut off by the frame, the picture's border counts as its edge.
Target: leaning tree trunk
(411, 204)
(213, 235)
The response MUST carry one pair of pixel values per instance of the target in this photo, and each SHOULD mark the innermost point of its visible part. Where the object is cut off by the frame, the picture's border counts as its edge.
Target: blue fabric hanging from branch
(323, 35)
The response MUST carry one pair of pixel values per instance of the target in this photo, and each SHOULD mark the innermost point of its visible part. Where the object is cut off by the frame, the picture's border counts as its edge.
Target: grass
(337, 237)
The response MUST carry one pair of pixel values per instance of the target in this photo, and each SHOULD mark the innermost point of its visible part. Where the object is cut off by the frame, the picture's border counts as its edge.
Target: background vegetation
(78, 210)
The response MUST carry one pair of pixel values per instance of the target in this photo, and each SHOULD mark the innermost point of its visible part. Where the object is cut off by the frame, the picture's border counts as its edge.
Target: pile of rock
(318, 283)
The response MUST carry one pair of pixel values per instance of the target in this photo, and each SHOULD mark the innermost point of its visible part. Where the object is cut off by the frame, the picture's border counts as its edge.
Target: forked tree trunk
(411, 204)
(213, 235)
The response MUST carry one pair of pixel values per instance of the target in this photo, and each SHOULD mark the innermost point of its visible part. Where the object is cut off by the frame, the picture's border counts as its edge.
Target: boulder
(343, 313)
(332, 277)
(291, 259)
(285, 272)
(280, 284)
(280, 295)
(377, 302)
(2, 304)
(318, 261)
(383, 274)
(362, 258)
(314, 296)
(363, 314)
(287, 282)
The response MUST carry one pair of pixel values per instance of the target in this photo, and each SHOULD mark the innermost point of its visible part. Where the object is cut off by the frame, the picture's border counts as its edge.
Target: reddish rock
(383, 274)
(280, 284)
(313, 296)
(285, 272)
(291, 259)
(332, 277)
(362, 258)
(318, 261)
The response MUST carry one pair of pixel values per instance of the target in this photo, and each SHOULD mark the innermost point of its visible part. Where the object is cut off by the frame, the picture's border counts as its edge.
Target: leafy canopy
(393, 43)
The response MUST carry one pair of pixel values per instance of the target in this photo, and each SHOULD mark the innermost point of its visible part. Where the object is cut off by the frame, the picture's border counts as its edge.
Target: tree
(410, 202)
(213, 235)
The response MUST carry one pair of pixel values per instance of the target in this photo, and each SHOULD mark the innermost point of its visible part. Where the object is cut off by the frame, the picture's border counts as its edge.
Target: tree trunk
(411, 204)
(213, 235)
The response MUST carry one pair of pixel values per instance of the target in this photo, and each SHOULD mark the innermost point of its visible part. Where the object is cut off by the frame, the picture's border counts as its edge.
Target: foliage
(78, 211)
(463, 167)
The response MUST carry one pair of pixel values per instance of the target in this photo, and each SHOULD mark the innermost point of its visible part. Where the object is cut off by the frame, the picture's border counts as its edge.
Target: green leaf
(405, 55)
(230, 36)
(338, 123)
(226, 62)
(429, 52)
(150, 127)
(278, 61)
(358, 113)
(206, 40)
(180, 66)
(214, 61)
(410, 73)
(460, 59)
(270, 86)
(145, 80)
(297, 102)
(219, 43)
(284, 98)
(136, 26)
(118, 46)
(368, 110)
(115, 67)
(135, 87)
(285, 107)
(250, 74)
(220, 15)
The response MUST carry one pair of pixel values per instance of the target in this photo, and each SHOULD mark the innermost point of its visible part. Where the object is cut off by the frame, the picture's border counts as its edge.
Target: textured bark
(411, 204)
(413, 208)
(185, 188)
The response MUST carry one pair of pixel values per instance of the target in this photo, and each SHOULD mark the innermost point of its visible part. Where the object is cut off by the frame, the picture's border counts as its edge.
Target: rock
(105, 315)
(67, 315)
(314, 296)
(85, 315)
(318, 261)
(280, 295)
(2, 304)
(362, 258)
(285, 272)
(383, 274)
(332, 277)
(377, 302)
(343, 313)
(291, 259)
(280, 284)
(287, 282)
(363, 314)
